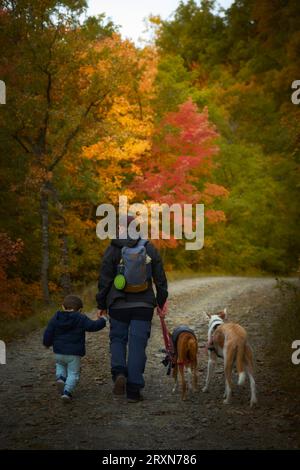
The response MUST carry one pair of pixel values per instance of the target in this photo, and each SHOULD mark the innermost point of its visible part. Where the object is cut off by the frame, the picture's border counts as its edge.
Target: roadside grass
(14, 328)
(286, 329)
(188, 274)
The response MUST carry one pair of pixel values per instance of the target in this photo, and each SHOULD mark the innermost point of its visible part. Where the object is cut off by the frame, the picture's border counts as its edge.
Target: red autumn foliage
(182, 151)
(183, 146)
(15, 295)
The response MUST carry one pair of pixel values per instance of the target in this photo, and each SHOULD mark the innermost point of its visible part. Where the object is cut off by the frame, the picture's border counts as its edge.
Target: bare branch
(20, 141)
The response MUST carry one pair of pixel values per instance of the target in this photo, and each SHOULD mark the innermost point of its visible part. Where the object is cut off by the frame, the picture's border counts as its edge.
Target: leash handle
(162, 312)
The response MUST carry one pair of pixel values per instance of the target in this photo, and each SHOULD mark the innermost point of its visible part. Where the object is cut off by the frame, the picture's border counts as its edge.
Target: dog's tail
(240, 363)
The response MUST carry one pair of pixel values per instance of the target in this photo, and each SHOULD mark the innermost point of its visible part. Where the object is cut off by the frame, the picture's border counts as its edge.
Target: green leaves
(241, 67)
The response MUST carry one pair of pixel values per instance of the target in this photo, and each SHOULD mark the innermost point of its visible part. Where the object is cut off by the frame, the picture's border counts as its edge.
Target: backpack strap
(141, 242)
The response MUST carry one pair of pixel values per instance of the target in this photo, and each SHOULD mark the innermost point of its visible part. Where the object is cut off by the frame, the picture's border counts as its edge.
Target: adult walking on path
(131, 308)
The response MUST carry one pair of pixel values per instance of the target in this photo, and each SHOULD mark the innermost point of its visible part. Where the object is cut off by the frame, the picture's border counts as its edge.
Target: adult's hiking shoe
(119, 385)
(135, 398)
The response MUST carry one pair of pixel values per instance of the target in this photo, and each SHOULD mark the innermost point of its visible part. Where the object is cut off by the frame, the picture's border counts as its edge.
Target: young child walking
(66, 333)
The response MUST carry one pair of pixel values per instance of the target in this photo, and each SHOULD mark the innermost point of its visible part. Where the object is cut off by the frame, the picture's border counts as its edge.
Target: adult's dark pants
(129, 333)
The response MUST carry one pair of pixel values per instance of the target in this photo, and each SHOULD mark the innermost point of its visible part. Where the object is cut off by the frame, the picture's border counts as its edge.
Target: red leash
(167, 338)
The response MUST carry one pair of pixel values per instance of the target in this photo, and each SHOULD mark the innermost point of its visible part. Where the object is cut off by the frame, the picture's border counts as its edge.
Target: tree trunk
(65, 279)
(163, 254)
(45, 242)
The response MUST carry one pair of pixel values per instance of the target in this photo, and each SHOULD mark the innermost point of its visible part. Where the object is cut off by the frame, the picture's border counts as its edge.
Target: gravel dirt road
(33, 417)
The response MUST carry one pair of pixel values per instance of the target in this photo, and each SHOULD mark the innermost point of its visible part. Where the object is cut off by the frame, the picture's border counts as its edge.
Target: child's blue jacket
(66, 332)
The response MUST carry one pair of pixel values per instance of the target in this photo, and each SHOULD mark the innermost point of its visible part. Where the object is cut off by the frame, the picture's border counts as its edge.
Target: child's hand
(101, 313)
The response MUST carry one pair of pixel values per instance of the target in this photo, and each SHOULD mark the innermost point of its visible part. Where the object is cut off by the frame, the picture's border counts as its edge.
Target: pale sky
(130, 14)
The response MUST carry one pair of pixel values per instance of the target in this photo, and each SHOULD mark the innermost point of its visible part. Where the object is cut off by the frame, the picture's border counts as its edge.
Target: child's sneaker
(66, 396)
(60, 381)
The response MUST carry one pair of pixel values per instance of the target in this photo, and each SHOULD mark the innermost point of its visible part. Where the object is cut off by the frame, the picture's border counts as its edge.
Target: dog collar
(213, 326)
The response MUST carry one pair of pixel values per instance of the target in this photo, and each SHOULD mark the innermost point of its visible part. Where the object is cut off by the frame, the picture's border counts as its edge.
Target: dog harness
(181, 329)
(210, 347)
(175, 335)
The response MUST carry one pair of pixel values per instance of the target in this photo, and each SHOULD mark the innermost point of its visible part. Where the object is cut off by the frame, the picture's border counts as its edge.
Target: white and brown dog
(229, 341)
(185, 359)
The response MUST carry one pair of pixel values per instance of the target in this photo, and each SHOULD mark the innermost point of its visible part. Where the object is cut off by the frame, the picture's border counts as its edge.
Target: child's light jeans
(68, 367)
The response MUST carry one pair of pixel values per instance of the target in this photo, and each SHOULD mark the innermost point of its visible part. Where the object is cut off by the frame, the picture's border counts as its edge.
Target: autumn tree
(61, 75)
(179, 166)
(243, 70)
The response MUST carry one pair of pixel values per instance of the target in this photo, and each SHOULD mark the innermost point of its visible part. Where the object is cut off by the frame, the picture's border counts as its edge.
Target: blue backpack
(135, 265)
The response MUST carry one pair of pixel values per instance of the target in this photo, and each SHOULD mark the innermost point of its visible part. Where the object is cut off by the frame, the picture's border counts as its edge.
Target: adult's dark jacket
(66, 332)
(108, 294)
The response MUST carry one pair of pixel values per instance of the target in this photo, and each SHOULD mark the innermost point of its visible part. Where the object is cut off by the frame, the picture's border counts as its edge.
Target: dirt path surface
(33, 417)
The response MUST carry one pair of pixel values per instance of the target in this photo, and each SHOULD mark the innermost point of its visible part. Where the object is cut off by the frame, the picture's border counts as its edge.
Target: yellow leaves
(89, 224)
(155, 19)
(36, 177)
(136, 169)
(127, 127)
(110, 151)
(114, 195)
(87, 70)
(128, 117)
(70, 165)
(94, 152)
(148, 64)
(116, 155)
(136, 148)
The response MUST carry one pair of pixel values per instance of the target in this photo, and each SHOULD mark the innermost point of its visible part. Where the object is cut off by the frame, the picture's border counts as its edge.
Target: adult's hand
(101, 313)
(162, 311)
